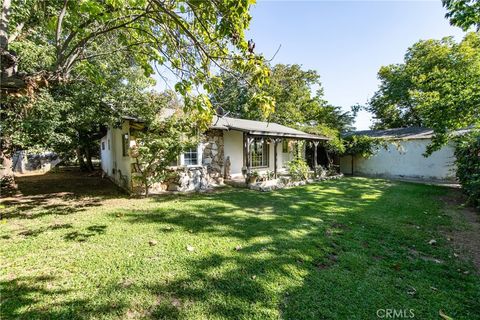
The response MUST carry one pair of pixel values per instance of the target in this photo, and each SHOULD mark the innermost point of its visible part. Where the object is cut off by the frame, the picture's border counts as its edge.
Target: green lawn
(334, 250)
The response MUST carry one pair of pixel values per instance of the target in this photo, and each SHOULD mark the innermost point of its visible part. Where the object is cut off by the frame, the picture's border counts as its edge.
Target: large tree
(298, 96)
(187, 36)
(73, 56)
(437, 86)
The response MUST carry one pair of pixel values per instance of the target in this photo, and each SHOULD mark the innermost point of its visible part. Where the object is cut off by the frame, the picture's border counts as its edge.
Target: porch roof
(261, 128)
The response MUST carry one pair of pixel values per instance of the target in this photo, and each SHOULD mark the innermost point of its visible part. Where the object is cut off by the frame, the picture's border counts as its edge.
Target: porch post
(275, 145)
(245, 150)
(247, 141)
(247, 155)
(315, 151)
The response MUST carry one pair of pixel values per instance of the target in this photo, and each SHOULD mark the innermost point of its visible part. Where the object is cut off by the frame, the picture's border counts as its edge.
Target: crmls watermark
(396, 313)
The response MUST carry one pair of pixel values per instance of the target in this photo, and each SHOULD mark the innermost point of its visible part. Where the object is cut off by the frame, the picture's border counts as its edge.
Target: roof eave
(283, 135)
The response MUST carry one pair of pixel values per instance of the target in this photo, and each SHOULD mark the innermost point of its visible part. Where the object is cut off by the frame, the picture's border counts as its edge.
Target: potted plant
(253, 176)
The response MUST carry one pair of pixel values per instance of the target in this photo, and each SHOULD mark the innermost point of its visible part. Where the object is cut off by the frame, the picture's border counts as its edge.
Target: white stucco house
(245, 144)
(403, 156)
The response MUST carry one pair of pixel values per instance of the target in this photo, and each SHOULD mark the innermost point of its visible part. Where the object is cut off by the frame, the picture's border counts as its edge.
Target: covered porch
(280, 142)
(264, 147)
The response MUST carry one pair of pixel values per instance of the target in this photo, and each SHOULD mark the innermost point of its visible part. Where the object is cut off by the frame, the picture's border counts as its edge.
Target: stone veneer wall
(201, 177)
(213, 154)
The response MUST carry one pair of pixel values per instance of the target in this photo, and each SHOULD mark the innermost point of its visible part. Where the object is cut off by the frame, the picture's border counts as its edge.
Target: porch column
(245, 150)
(247, 141)
(275, 146)
(315, 151)
(247, 155)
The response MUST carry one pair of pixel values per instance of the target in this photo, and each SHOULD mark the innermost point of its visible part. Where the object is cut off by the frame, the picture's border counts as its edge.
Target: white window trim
(199, 158)
(267, 156)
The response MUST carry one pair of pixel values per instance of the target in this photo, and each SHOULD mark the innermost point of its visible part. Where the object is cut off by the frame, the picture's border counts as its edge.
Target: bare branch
(61, 15)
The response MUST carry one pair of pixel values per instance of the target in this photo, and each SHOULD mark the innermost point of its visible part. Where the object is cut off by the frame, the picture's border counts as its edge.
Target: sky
(346, 42)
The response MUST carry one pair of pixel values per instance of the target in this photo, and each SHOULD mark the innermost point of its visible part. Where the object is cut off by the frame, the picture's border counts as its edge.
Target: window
(108, 143)
(103, 145)
(125, 144)
(190, 157)
(259, 153)
(285, 146)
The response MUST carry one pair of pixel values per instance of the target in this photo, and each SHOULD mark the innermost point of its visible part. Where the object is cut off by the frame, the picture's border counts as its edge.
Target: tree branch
(76, 50)
(4, 17)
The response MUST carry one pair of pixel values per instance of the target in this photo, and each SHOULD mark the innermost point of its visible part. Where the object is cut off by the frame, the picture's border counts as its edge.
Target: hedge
(467, 155)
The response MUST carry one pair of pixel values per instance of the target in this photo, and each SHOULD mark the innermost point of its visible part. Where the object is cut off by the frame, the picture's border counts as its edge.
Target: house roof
(252, 127)
(408, 133)
(261, 128)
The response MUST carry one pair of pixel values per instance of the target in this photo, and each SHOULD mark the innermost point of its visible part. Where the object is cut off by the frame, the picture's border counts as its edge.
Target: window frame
(265, 160)
(181, 160)
(189, 155)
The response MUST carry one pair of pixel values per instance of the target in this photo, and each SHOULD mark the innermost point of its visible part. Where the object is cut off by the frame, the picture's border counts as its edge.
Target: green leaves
(298, 169)
(437, 86)
(284, 96)
(362, 145)
(467, 160)
(463, 13)
(159, 146)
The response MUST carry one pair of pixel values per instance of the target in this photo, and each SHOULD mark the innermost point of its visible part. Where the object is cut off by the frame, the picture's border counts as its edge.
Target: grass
(336, 250)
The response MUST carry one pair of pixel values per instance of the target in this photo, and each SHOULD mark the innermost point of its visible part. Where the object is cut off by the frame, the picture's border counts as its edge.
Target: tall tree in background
(298, 96)
(72, 55)
(437, 86)
(463, 13)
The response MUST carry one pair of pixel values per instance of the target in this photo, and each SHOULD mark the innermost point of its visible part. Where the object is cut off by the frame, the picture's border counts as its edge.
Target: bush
(321, 172)
(362, 145)
(467, 153)
(298, 169)
(269, 175)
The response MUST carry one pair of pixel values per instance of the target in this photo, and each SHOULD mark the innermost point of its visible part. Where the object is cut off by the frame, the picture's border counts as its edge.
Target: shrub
(269, 175)
(321, 172)
(362, 145)
(467, 153)
(298, 169)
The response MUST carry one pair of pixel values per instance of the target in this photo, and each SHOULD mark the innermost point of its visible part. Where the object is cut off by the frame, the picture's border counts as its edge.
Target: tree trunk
(88, 156)
(147, 187)
(81, 162)
(7, 164)
(4, 17)
(7, 179)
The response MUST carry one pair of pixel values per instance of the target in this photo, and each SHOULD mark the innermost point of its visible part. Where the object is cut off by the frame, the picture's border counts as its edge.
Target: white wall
(233, 147)
(114, 164)
(405, 159)
(106, 154)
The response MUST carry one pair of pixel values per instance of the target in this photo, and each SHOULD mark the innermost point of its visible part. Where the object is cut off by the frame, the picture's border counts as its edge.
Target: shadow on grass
(24, 298)
(303, 227)
(58, 193)
(36, 232)
(82, 236)
(335, 250)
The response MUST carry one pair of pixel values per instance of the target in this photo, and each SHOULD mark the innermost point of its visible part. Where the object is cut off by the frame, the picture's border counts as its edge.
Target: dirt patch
(465, 234)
